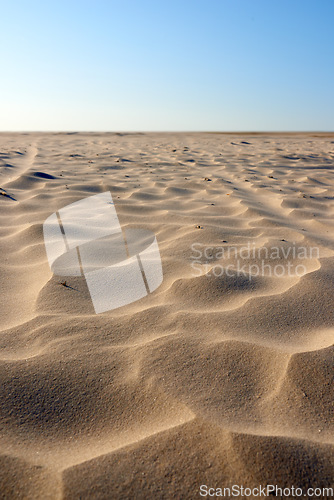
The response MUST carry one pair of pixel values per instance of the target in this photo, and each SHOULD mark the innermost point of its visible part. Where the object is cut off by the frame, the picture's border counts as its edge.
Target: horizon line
(253, 132)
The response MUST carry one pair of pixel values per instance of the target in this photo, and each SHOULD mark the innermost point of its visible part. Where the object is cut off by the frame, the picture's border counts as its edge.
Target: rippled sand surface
(212, 379)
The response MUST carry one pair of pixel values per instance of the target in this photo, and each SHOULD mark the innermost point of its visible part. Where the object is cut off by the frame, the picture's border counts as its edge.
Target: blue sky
(220, 65)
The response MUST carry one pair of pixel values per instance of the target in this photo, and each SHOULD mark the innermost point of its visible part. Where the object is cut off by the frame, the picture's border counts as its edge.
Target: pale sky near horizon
(220, 65)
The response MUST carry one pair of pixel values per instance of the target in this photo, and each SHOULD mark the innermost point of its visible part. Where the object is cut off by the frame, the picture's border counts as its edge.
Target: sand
(210, 380)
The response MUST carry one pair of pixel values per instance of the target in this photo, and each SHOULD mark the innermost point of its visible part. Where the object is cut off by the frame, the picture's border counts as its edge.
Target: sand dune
(212, 379)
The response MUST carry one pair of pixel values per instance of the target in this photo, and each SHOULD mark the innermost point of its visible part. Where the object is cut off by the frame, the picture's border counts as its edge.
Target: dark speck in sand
(6, 195)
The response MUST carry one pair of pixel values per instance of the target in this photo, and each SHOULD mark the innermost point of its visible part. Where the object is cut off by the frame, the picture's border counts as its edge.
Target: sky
(219, 65)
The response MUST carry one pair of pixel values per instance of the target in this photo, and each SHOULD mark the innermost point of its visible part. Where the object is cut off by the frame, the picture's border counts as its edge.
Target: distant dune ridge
(211, 379)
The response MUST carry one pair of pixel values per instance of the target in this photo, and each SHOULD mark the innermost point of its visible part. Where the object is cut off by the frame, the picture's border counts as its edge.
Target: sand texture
(215, 380)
